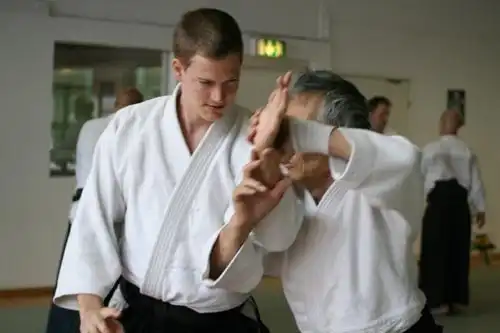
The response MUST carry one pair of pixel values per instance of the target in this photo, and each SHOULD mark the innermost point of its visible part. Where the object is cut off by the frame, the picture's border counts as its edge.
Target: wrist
(88, 302)
(311, 136)
(240, 224)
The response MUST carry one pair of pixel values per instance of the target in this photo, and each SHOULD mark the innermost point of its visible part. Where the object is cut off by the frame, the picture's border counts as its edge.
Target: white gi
(454, 192)
(352, 268)
(450, 158)
(87, 141)
(174, 205)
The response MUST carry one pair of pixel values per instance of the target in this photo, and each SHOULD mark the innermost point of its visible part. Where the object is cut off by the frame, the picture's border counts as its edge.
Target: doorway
(397, 91)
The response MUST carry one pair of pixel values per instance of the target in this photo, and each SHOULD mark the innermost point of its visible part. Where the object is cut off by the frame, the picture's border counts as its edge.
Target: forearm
(227, 245)
(87, 302)
(313, 137)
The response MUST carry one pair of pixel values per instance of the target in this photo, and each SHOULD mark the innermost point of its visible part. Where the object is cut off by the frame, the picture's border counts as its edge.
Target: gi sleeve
(91, 264)
(276, 232)
(477, 196)
(386, 169)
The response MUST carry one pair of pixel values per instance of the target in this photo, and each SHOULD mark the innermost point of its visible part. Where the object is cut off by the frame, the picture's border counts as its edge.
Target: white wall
(34, 207)
(437, 45)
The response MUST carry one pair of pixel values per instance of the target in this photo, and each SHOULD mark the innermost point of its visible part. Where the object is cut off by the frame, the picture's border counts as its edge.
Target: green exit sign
(270, 48)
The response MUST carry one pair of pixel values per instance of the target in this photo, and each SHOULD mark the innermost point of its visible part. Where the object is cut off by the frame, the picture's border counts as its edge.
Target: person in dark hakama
(62, 320)
(454, 192)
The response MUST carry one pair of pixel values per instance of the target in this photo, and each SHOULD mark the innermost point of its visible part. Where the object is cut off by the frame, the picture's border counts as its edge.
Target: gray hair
(343, 103)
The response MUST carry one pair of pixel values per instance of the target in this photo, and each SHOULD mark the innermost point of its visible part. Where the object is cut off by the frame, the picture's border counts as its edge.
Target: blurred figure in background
(380, 111)
(63, 320)
(454, 190)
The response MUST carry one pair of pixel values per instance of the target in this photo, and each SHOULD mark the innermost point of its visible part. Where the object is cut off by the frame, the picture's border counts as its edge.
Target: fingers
(251, 135)
(249, 187)
(253, 165)
(280, 100)
(110, 313)
(269, 153)
(287, 78)
(102, 327)
(254, 156)
(280, 188)
(283, 81)
(107, 315)
(254, 122)
(254, 184)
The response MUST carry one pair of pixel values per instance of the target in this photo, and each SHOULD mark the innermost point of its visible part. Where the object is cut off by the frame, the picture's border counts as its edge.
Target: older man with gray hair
(352, 268)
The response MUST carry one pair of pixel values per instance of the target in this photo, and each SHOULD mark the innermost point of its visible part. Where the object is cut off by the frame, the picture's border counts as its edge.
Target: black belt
(77, 195)
(184, 315)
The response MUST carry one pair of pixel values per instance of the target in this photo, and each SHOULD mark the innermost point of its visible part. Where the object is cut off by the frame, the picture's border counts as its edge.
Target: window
(85, 83)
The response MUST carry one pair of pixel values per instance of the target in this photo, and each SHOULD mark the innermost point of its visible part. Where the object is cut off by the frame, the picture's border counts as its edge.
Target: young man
(351, 268)
(64, 320)
(192, 249)
(454, 190)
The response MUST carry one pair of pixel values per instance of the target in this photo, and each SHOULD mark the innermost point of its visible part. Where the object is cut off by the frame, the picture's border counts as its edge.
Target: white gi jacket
(352, 268)
(450, 158)
(174, 205)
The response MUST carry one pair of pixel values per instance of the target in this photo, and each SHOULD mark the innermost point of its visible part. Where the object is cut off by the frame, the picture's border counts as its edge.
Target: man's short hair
(208, 32)
(344, 105)
(375, 101)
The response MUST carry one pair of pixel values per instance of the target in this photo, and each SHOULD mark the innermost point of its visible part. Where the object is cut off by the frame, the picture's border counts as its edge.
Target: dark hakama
(148, 315)
(426, 324)
(62, 320)
(445, 250)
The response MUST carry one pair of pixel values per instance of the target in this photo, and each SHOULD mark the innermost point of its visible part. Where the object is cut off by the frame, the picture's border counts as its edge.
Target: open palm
(271, 115)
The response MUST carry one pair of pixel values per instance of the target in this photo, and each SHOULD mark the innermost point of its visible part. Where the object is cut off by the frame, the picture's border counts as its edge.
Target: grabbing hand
(269, 118)
(103, 320)
(269, 172)
(252, 199)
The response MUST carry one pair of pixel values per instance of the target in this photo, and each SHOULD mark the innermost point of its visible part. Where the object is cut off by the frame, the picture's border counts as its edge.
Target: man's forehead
(203, 66)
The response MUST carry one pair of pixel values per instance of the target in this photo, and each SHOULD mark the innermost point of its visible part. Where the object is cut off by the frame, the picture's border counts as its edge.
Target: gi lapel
(181, 201)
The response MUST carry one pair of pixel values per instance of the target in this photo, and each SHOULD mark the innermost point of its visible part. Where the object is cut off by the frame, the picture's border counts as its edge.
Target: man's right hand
(103, 320)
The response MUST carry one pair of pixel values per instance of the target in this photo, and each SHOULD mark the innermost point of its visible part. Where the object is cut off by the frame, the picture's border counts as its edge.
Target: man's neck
(193, 127)
(318, 186)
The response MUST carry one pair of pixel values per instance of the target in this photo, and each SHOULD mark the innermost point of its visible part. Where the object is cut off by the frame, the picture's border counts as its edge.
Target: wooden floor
(42, 296)
(483, 316)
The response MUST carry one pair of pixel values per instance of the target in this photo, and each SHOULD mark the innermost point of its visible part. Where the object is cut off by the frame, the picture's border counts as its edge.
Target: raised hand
(270, 117)
(253, 200)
